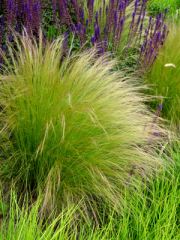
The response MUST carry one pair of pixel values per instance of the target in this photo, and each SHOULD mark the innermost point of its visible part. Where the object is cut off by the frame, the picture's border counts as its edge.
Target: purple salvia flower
(102, 50)
(87, 22)
(100, 10)
(9, 38)
(105, 31)
(84, 30)
(10, 5)
(16, 27)
(142, 49)
(105, 42)
(141, 26)
(72, 27)
(2, 20)
(79, 26)
(96, 17)
(107, 10)
(133, 15)
(158, 36)
(122, 22)
(82, 14)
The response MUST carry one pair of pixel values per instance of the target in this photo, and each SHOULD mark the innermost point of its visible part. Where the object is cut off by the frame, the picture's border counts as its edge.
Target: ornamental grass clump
(72, 129)
(165, 77)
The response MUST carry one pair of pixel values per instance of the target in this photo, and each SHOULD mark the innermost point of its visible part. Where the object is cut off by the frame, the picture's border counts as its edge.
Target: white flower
(169, 65)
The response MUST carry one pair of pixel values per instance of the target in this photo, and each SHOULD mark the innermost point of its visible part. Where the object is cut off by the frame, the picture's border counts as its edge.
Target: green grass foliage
(165, 79)
(157, 6)
(74, 128)
(149, 212)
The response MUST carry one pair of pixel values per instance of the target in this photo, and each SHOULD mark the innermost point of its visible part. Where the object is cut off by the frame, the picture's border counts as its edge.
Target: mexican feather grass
(71, 127)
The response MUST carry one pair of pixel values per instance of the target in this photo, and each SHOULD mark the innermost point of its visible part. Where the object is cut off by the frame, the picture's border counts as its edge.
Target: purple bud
(65, 4)
(2, 47)
(105, 42)
(102, 50)
(106, 10)
(79, 26)
(72, 27)
(105, 31)
(10, 5)
(120, 6)
(112, 52)
(100, 10)
(2, 28)
(44, 36)
(96, 16)
(160, 106)
(158, 36)
(144, 13)
(133, 15)
(87, 22)
(115, 15)
(70, 53)
(84, 30)
(2, 20)
(16, 27)
(9, 38)
(152, 50)
(166, 10)
(150, 19)
(142, 49)
(122, 22)
(141, 26)
(82, 14)
(139, 19)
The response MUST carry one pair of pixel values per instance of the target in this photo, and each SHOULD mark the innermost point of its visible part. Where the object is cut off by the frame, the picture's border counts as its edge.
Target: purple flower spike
(44, 36)
(10, 5)
(158, 36)
(102, 50)
(105, 42)
(84, 30)
(142, 49)
(141, 26)
(82, 14)
(79, 27)
(160, 106)
(16, 27)
(100, 10)
(122, 22)
(96, 17)
(105, 31)
(133, 15)
(2, 20)
(9, 38)
(166, 10)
